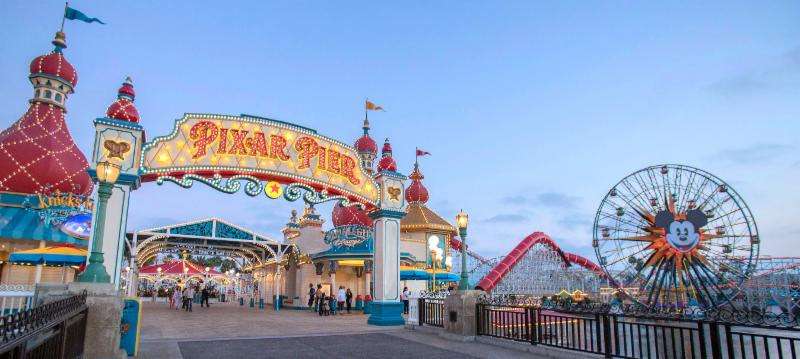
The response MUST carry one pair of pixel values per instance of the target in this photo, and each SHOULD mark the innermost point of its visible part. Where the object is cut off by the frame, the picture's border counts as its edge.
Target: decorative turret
(416, 192)
(310, 218)
(37, 153)
(349, 216)
(52, 76)
(292, 228)
(367, 149)
(123, 108)
(387, 162)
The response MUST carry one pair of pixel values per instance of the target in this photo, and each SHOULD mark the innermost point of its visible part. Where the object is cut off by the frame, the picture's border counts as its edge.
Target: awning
(24, 224)
(410, 273)
(63, 255)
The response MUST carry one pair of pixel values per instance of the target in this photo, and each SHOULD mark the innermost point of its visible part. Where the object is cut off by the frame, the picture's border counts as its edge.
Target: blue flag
(73, 14)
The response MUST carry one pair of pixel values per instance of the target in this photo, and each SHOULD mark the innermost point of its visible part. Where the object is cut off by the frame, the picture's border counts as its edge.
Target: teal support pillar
(463, 284)
(95, 272)
(128, 137)
(386, 308)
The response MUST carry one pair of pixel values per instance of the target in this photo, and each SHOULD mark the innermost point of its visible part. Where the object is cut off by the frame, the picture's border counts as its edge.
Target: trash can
(241, 301)
(277, 302)
(359, 302)
(367, 303)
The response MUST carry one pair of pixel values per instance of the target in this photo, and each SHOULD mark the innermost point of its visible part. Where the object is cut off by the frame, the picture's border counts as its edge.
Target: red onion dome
(123, 108)
(387, 162)
(55, 64)
(416, 191)
(350, 216)
(37, 153)
(366, 144)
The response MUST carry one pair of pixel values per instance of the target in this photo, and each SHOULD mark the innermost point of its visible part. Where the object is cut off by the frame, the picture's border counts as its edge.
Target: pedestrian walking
(177, 297)
(319, 297)
(404, 298)
(189, 297)
(204, 298)
(348, 299)
(341, 296)
(311, 293)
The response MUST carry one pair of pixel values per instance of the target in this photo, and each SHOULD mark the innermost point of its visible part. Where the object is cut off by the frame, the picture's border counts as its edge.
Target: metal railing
(53, 330)
(431, 312)
(15, 298)
(636, 335)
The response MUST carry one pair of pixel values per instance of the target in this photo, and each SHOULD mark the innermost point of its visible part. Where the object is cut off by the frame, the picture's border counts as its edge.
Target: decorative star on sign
(273, 189)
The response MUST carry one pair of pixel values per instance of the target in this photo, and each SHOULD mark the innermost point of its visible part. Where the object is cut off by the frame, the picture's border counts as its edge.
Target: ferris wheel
(671, 236)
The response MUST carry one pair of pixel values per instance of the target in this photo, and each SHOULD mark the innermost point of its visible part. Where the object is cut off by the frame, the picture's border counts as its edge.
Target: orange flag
(372, 107)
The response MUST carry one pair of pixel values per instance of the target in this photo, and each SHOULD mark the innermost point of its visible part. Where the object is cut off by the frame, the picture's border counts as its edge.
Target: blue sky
(531, 110)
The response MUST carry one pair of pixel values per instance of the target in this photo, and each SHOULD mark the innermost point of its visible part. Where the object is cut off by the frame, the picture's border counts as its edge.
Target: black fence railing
(53, 330)
(431, 312)
(636, 335)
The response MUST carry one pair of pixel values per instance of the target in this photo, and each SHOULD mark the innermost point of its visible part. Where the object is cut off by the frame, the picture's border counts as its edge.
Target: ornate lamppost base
(94, 273)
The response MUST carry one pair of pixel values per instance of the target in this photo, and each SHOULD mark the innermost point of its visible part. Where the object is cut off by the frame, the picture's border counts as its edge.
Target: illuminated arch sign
(271, 157)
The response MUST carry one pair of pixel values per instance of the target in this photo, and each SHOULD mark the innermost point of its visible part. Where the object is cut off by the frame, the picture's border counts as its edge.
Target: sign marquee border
(228, 179)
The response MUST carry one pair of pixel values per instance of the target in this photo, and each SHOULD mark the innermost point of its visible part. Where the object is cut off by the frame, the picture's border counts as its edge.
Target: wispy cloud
(506, 218)
(754, 154)
(784, 71)
(574, 222)
(546, 199)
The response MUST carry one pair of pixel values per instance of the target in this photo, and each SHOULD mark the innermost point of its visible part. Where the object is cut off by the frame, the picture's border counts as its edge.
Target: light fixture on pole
(433, 245)
(95, 272)
(462, 219)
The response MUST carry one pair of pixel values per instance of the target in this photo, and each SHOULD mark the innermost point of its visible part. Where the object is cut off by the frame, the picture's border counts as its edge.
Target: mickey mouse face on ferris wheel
(682, 235)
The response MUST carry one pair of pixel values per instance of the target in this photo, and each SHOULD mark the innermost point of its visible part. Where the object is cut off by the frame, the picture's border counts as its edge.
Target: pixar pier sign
(217, 146)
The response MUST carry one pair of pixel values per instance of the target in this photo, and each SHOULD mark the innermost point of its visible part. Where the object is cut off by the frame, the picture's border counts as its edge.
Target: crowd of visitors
(190, 294)
(329, 303)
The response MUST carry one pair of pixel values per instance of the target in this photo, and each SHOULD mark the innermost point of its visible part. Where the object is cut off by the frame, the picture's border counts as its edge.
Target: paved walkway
(229, 331)
(229, 320)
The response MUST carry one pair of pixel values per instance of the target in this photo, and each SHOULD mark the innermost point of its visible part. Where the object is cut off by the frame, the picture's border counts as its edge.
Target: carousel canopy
(63, 255)
(177, 267)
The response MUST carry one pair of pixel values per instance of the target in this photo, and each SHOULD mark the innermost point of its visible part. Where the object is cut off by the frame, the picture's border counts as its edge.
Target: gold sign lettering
(267, 149)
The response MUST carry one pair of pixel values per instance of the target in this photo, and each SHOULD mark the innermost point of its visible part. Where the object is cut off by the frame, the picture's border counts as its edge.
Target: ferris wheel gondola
(668, 234)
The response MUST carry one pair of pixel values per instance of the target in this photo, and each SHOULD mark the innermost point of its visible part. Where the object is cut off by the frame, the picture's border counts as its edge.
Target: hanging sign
(254, 148)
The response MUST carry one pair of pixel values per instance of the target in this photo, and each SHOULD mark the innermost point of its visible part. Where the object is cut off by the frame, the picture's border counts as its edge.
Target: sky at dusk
(531, 110)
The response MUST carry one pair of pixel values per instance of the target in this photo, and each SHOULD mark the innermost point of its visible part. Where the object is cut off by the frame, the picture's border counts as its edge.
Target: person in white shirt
(340, 298)
(404, 297)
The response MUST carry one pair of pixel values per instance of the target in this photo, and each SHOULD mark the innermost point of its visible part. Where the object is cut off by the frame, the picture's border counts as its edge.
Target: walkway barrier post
(716, 347)
(421, 304)
(532, 324)
(701, 334)
(606, 335)
(413, 310)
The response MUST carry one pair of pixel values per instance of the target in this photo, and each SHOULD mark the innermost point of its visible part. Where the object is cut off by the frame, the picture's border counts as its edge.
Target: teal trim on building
(202, 229)
(17, 199)
(393, 174)
(225, 231)
(387, 213)
(23, 224)
(118, 123)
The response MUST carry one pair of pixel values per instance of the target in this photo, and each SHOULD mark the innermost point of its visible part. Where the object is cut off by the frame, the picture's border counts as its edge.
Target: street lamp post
(433, 247)
(462, 219)
(95, 272)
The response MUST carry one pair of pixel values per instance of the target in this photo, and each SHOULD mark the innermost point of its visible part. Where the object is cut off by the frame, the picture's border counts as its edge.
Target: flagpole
(366, 112)
(416, 159)
(64, 16)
